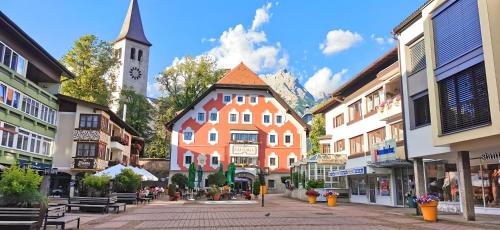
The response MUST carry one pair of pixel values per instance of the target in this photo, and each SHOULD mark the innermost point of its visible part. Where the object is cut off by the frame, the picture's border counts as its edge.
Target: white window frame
(227, 102)
(283, 117)
(270, 118)
(204, 117)
(291, 156)
(213, 110)
(188, 129)
(215, 154)
(288, 133)
(233, 111)
(213, 131)
(256, 99)
(276, 161)
(237, 97)
(188, 153)
(272, 132)
(247, 112)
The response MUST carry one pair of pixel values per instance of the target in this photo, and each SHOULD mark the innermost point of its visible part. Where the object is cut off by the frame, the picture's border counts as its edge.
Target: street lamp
(262, 177)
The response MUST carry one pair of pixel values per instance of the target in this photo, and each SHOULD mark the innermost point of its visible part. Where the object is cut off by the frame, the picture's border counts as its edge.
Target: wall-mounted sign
(87, 163)
(347, 172)
(384, 151)
(34, 165)
(490, 156)
(244, 150)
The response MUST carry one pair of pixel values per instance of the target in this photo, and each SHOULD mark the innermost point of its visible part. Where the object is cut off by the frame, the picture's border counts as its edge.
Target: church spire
(132, 26)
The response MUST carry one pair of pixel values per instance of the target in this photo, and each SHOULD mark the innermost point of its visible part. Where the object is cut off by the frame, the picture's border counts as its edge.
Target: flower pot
(429, 210)
(332, 201)
(312, 199)
(216, 196)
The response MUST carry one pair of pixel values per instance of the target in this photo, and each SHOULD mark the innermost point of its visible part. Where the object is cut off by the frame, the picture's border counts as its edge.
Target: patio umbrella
(230, 174)
(200, 176)
(111, 171)
(192, 173)
(221, 168)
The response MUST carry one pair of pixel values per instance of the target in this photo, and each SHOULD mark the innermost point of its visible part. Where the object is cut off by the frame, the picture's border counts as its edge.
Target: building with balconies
(363, 121)
(450, 63)
(91, 138)
(29, 79)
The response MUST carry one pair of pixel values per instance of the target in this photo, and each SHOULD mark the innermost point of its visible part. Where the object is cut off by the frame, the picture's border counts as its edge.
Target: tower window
(132, 53)
(139, 55)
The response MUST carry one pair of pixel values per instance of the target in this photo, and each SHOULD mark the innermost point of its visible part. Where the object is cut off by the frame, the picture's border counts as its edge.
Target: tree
(218, 179)
(19, 187)
(127, 181)
(138, 112)
(180, 179)
(94, 64)
(317, 130)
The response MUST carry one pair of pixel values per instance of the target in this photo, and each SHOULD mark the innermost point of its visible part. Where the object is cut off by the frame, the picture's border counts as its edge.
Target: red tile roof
(241, 75)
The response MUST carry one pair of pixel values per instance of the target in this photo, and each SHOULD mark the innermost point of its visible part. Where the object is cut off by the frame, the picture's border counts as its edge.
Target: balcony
(87, 163)
(390, 109)
(118, 143)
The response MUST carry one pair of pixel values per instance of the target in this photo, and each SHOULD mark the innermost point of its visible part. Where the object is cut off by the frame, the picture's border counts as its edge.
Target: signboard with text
(347, 172)
(384, 151)
(244, 150)
(87, 163)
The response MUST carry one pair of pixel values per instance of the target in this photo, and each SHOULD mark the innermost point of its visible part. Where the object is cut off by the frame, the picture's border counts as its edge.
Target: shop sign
(384, 151)
(34, 165)
(84, 164)
(490, 156)
(347, 172)
(245, 150)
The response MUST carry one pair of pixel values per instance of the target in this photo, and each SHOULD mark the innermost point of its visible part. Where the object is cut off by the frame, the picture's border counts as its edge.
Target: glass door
(372, 184)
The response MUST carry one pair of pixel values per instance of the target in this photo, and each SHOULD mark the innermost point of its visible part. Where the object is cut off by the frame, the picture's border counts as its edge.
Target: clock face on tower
(135, 73)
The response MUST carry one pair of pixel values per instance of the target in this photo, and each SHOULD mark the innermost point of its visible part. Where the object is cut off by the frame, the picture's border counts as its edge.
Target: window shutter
(464, 100)
(417, 57)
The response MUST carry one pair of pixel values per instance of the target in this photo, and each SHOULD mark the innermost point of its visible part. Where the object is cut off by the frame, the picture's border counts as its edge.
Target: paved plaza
(284, 213)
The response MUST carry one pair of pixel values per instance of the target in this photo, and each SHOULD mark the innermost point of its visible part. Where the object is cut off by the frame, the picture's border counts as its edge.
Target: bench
(56, 216)
(21, 218)
(96, 203)
(116, 207)
(127, 198)
(144, 199)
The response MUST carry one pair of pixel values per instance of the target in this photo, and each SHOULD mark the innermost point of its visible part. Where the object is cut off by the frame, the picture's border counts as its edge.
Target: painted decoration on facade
(202, 159)
(86, 135)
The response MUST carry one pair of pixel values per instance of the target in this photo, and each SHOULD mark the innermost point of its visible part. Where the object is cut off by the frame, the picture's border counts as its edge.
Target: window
(272, 161)
(212, 137)
(270, 184)
(7, 56)
(2, 46)
(338, 121)
(89, 121)
(214, 116)
(288, 138)
(227, 99)
(339, 146)
(291, 161)
(397, 131)
(376, 136)
(355, 111)
(8, 133)
(12, 59)
(233, 118)
(132, 53)
(358, 186)
(373, 100)
(201, 117)
(86, 149)
(46, 146)
(188, 160)
(272, 139)
(214, 160)
(267, 119)
(139, 55)
(325, 148)
(247, 117)
(22, 140)
(421, 113)
(240, 99)
(464, 100)
(253, 99)
(3, 92)
(456, 30)
(188, 135)
(244, 137)
(35, 142)
(417, 57)
(356, 144)
(279, 119)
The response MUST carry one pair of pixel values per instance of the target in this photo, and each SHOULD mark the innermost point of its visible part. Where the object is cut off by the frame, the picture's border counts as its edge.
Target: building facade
(91, 138)
(450, 60)
(240, 120)
(29, 79)
(364, 123)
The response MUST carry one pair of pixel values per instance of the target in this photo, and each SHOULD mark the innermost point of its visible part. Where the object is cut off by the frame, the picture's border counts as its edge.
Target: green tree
(19, 187)
(256, 187)
(127, 181)
(180, 179)
(317, 130)
(218, 179)
(139, 110)
(94, 64)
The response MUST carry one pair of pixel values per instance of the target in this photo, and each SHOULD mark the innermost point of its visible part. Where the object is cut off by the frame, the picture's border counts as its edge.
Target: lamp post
(262, 177)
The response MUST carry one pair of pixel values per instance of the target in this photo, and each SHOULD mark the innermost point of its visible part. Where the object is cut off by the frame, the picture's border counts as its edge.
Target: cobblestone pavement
(284, 213)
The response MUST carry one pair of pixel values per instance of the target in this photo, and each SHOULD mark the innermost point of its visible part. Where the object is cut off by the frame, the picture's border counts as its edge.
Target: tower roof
(241, 75)
(132, 26)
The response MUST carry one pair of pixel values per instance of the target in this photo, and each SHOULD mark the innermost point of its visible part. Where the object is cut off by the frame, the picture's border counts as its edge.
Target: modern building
(363, 121)
(241, 120)
(29, 79)
(132, 49)
(91, 138)
(450, 62)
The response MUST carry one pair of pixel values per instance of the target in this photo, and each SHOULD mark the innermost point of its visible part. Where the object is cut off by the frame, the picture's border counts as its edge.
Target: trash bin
(410, 202)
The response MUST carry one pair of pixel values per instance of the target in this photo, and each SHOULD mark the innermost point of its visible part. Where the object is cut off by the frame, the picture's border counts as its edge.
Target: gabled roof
(241, 75)
(411, 18)
(237, 79)
(132, 26)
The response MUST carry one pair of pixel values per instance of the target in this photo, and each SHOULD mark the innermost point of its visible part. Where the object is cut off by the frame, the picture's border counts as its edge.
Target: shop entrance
(243, 181)
(372, 184)
(404, 178)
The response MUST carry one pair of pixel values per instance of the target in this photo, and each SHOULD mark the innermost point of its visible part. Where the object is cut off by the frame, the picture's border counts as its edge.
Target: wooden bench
(99, 203)
(56, 216)
(127, 198)
(21, 218)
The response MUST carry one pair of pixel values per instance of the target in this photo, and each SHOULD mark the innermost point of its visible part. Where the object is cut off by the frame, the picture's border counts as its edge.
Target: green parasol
(230, 174)
(200, 175)
(221, 168)
(192, 173)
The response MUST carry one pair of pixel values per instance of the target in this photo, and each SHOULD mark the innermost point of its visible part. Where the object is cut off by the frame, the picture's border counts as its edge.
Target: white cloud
(323, 82)
(382, 40)
(208, 40)
(261, 16)
(154, 89)
(339, 40)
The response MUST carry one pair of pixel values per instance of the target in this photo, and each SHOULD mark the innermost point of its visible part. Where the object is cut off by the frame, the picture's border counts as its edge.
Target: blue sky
(323, 43)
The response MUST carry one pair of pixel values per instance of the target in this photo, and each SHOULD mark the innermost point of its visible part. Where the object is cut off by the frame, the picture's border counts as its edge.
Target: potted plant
(172, 193)
(256, 189)
(214, 192)
(331, 198)
(428, 205)
(247, 195)
(312, 195)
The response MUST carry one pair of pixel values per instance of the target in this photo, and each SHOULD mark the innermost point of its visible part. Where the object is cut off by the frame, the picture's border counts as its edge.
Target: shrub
(315, 184)
(19, 187)
(295, 179)
(127, 181)
(256, 187)
(96, 185)
(217, 179)
(180, 179)
(171, 190)
(212, 191)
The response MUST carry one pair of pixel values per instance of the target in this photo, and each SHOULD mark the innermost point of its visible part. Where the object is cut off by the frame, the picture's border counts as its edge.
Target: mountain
(289, 88)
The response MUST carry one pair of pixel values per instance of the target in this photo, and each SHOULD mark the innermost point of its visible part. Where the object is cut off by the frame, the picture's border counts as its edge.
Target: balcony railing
(390, 107)
(120, 140)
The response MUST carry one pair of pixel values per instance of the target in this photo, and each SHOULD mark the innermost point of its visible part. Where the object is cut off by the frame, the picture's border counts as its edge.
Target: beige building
(91, 138)
(450, 63)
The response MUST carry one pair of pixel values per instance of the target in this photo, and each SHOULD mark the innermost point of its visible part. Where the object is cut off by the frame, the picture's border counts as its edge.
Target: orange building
(239, 119)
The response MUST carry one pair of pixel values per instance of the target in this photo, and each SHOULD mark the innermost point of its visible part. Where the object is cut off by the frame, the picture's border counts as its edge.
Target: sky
(323, 43)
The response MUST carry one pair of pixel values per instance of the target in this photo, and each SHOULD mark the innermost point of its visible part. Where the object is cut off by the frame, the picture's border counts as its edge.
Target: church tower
(132, 49)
